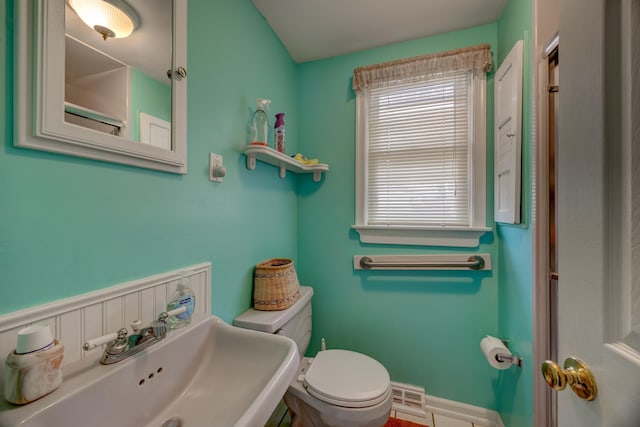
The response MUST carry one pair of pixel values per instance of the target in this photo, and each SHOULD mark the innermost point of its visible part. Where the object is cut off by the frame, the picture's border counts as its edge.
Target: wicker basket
(276, 285)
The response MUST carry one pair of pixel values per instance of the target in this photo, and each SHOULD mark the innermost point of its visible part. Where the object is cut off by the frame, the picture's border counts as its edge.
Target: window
(420, 166)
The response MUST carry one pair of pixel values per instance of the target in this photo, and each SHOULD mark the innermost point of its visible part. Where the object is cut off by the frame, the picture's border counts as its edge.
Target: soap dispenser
(182, 297)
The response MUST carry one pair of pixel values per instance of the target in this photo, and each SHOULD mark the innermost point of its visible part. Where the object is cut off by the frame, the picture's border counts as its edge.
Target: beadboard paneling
(77, 319)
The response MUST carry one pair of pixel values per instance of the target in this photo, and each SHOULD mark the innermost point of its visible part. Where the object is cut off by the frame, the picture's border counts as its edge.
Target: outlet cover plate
(215, 160)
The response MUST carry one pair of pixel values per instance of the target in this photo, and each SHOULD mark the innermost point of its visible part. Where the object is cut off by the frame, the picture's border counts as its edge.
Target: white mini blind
(419, 165)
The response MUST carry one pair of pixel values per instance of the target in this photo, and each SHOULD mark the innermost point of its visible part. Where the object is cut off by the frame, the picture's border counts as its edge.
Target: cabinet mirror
(87, 92)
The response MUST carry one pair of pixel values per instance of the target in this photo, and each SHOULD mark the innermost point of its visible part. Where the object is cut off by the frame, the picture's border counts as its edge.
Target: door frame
(544, 403)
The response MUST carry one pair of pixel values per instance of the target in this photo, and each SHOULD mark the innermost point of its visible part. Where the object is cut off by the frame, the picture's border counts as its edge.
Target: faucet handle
(166, 314)
(159, 328)
(95, 342)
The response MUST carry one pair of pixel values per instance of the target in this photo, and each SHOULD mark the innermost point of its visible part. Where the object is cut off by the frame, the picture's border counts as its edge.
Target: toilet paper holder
(514, 358)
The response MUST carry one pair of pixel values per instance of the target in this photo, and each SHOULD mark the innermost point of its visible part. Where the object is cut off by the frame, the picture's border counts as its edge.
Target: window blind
(419, 153)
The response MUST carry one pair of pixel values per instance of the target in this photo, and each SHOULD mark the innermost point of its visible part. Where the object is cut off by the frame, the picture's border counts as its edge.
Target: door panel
(508, 131)
(599, 208)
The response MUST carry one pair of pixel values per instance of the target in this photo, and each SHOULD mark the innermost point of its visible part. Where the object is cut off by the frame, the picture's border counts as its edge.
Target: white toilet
(337, 388)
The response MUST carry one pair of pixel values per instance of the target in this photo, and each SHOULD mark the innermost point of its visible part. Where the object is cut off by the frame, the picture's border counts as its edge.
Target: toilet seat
(346, 378)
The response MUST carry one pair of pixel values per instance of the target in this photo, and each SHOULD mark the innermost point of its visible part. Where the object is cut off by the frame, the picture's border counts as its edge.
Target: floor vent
(409, 399)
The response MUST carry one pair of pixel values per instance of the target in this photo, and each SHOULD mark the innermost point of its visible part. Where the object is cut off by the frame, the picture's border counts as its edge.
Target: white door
(508, 131)
(599, 208)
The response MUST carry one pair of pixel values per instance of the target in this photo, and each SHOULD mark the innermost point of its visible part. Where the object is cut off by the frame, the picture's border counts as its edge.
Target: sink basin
(205, 374)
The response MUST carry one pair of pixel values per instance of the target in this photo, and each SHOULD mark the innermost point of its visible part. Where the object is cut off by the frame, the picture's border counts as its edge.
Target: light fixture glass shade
(111, 18)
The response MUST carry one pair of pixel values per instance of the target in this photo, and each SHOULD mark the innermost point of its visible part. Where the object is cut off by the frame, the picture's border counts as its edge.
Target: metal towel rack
(474, 262)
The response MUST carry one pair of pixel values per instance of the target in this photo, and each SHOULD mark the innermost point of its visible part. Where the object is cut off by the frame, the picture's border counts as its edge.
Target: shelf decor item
(278, 133)
(260, 125)
(276, 285)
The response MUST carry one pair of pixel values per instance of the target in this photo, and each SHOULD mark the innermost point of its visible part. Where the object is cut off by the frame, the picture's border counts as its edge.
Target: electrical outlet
(216, 168)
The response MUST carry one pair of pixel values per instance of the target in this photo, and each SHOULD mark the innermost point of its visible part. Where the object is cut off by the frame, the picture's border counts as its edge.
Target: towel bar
(423, 262)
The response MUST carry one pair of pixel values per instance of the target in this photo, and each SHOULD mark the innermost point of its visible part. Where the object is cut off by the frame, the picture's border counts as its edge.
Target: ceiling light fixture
(110, 18)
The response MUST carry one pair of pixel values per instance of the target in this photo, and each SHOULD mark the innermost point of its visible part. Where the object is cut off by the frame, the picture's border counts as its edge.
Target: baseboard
(463, 411)
(412, 401)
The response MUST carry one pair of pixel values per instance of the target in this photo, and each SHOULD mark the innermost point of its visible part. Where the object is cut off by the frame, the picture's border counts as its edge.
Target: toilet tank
(293, 322)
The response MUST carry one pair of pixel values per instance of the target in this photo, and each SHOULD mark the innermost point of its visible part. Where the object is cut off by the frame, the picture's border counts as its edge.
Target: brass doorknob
(575, 373)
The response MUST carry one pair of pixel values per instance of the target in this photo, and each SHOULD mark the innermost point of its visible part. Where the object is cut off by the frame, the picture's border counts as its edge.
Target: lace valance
(475, 58)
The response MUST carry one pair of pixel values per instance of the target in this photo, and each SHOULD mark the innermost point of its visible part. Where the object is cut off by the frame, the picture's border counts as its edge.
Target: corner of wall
(515, 390)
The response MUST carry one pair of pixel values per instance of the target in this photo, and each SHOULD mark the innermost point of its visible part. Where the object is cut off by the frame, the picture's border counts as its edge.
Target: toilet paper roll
(491, 347)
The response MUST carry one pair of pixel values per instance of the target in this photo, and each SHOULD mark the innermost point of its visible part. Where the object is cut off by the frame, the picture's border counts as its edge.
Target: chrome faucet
(121, 345)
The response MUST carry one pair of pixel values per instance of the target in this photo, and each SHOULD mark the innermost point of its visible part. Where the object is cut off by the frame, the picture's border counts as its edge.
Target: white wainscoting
(77, 319)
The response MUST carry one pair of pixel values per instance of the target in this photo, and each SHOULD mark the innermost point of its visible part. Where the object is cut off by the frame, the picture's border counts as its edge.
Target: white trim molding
(468, 237)
(463, 411)
(411, 403)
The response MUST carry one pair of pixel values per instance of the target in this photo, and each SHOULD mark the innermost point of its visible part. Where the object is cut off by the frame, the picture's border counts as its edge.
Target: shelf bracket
(283, 171)
(317, 175)
(251, 162)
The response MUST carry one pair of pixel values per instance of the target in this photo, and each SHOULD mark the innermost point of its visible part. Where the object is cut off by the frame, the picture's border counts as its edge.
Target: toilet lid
(346, 378)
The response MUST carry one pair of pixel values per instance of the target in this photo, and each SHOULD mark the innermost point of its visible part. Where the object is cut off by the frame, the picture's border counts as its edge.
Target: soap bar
(28, 377)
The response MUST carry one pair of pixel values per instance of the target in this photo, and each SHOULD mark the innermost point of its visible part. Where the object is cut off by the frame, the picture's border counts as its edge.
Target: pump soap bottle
(278, 135)
(260, 127)
(182, 297)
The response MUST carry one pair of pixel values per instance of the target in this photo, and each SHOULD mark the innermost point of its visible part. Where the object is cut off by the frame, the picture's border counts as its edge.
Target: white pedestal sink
(205, 374)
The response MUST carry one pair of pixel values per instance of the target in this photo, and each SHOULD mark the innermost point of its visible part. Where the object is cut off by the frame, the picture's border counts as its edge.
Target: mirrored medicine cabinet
(121, 100)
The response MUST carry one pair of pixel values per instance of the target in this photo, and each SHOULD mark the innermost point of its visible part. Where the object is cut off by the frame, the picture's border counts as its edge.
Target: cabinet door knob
(180, 73)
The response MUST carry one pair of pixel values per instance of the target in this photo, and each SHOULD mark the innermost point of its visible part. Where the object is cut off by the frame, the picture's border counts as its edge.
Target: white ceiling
(316, 29)
(309, 29)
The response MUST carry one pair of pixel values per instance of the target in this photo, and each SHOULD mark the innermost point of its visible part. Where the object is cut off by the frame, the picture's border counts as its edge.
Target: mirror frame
(39, 94)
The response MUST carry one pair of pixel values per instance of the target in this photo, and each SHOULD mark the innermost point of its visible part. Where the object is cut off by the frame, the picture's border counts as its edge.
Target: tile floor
(432, 420)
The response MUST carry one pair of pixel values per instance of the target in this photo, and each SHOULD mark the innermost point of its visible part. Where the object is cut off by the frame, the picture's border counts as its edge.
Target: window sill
(468, 237)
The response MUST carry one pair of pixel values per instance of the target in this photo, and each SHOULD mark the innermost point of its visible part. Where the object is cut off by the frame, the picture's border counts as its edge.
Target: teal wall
(515, 388)
(71, 225)
(150, 96)
(425, 327)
